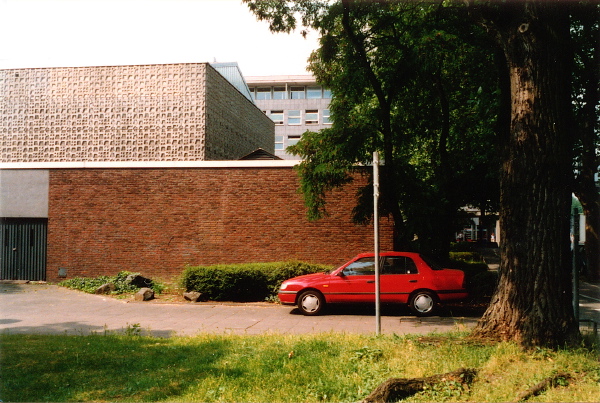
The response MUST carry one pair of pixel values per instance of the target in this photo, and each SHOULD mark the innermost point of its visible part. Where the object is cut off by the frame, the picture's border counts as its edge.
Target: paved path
(49, 309)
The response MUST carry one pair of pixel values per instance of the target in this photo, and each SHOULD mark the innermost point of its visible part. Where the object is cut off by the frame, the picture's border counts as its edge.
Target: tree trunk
(532, 304)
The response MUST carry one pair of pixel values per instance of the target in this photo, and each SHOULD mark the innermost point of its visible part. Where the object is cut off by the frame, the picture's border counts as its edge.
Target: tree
(409, 82)
(586, 34)
(532, 303)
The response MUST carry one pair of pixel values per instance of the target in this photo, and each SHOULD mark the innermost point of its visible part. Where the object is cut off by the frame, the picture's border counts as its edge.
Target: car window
(399, 265)
(362, 267)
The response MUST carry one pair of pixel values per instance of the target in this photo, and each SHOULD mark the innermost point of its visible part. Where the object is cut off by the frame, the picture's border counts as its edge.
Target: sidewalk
(49, 309)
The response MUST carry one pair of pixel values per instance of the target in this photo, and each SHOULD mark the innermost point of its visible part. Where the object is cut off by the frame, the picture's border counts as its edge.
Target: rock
(105, 288)
(138, 280)
(193, 296)
(144, 294)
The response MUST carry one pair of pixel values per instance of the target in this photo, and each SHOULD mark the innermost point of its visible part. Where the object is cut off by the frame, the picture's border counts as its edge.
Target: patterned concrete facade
(175, 112)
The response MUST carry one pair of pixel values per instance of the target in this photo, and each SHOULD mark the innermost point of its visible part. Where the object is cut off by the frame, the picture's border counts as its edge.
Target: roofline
(293, 79)
(103, 65)
(150, 164)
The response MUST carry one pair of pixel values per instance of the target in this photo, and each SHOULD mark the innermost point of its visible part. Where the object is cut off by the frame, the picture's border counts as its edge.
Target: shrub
(482, 285)
(466, 256)
(243, 282)
(480, 281)
(90, 284)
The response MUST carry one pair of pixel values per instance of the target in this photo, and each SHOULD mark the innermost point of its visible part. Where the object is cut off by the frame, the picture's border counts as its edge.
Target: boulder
(144, 294)
(193, 296)
(138, 280)
(105, 288)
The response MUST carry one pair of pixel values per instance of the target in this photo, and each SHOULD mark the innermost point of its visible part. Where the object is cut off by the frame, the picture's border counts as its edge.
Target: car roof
(392, 253)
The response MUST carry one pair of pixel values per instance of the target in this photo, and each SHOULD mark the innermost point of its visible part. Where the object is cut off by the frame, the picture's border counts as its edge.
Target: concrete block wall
(233, 126)
(156, 221)
(118, 113)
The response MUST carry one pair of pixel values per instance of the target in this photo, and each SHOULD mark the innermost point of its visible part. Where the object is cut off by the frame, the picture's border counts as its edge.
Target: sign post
(376, 239)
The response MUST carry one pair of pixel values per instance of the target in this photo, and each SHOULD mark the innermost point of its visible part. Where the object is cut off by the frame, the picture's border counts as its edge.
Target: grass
(276, 368)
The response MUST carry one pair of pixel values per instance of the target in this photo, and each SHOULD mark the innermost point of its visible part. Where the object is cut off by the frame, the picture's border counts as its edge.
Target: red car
(405, 278)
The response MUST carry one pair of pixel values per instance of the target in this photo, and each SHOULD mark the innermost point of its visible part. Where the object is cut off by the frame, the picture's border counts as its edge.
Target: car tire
(423, 303)
(311, 302)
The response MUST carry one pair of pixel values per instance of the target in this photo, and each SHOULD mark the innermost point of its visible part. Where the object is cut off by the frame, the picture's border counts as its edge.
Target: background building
(295, 103)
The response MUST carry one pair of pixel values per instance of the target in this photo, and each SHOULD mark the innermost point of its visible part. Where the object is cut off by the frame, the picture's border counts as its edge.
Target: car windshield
(431, 262)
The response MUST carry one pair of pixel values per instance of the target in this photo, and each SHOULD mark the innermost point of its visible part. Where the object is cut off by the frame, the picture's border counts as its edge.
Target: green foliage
(466, 256)
(412, 81)
(90, 284)
(277, 368)
(243, 282)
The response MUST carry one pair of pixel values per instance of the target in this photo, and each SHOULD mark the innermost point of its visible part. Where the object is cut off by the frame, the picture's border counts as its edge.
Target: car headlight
(283, 286)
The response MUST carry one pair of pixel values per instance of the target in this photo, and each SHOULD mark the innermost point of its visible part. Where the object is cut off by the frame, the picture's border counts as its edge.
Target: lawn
(278, 368)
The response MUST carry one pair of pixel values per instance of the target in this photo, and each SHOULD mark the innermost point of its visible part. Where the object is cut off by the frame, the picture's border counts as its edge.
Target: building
(173, 112)
(295, 103)
(136, 168)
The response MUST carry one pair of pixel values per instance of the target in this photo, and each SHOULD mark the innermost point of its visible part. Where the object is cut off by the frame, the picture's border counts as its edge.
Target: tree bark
(532, 304)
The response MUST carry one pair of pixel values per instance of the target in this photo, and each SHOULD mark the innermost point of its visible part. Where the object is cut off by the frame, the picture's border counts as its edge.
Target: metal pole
(576, 262)
(376, 238)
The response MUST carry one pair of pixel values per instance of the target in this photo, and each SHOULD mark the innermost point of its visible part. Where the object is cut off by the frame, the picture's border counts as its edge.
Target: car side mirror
(341, 273)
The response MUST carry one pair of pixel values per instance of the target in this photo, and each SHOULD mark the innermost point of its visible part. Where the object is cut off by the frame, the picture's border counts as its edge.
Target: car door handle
(370, 281)
(412, 281)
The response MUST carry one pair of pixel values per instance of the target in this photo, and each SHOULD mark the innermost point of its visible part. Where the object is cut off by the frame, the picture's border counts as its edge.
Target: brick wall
(155, 221)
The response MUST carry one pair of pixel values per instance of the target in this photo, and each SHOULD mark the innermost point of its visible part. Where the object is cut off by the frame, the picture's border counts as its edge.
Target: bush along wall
(244, 282)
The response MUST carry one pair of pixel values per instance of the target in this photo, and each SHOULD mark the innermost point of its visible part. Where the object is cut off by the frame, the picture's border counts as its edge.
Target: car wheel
(311, 302)
(423, 303)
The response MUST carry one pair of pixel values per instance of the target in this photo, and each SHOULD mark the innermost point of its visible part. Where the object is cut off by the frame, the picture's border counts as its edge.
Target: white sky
(66, 33)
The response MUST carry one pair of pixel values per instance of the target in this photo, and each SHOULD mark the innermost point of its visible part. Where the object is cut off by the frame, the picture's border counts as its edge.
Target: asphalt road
(49, 309)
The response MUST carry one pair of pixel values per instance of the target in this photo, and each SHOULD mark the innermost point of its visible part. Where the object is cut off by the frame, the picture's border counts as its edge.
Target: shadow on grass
(106, 368)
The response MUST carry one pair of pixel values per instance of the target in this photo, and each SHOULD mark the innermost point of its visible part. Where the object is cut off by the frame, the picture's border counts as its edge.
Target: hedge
(244, 282)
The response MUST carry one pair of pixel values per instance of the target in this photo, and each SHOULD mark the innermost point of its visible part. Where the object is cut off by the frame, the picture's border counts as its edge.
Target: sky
(73, 33)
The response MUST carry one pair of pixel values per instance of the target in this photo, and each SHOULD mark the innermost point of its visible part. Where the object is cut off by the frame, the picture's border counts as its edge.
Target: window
(297, 93)
(279, 93)
(326, 117)
(326, 93)
(294, 118)
(399, 265)
(277, 117)
(361, 267)
(311, 117)
(313, 93)
(263, 93)
(278, 142)
(293, 140)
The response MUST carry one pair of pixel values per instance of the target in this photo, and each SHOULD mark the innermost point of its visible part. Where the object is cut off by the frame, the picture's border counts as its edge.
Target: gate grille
(23, 248)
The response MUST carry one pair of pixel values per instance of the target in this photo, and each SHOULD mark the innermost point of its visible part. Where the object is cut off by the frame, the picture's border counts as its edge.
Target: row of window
(292, 140)
(292, 92)
(295, 117)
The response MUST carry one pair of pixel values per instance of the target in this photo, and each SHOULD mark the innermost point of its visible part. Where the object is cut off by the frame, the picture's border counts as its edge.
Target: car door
(355, 283)
(399, 278)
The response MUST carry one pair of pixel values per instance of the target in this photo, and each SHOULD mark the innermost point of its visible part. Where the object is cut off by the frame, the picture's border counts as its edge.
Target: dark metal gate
(23, 248)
